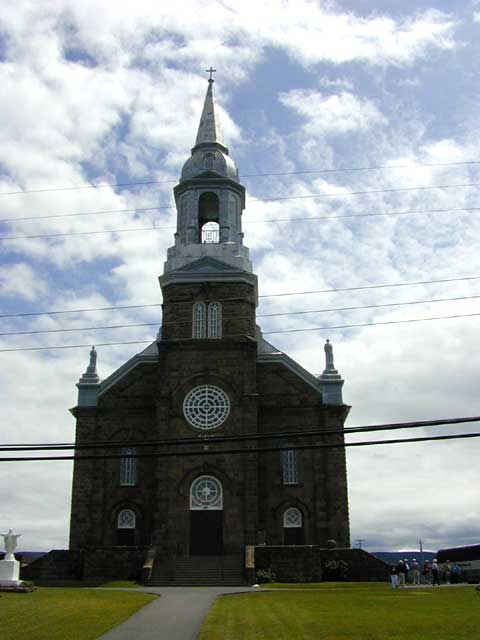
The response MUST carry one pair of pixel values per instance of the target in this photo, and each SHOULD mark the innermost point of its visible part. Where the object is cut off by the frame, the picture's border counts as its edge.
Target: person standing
(435, 580)
(427, 572)
(415, 571)
(447, 571)
(401, 573)
(394, 576)
(407, 569)
(455, 574)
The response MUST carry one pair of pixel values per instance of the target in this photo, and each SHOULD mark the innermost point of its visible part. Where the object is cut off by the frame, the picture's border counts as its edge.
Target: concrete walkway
(177, 615)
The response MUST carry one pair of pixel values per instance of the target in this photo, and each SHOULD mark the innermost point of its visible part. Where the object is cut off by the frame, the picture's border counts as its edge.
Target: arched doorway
(293, 526)
(126, 524)
(206, 517)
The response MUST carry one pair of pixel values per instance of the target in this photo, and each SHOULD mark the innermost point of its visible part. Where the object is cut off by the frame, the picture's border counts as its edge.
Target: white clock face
(206, 407)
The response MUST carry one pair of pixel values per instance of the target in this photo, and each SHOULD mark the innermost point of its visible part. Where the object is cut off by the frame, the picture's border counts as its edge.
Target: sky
(328, 99)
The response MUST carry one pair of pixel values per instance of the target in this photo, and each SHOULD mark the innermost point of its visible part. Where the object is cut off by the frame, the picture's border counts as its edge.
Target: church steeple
(209, 200)
(209, 129)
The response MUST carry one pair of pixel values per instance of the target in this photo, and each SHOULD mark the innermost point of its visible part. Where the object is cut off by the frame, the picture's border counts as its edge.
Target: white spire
(209, 130)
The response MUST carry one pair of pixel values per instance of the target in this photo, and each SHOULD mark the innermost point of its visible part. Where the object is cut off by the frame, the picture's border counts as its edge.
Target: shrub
(265, 575)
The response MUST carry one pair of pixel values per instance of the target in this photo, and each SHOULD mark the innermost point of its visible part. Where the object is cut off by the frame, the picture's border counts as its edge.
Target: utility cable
(328, 328)
(266, 295)
(252, 200)
(247, 451)
(267, 220)
(262, 221)
(238, 317)
(246, 175)
(205, 439)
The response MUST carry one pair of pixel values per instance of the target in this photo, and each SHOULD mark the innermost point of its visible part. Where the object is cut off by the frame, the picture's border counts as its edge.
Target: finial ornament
(10, 542)
(211, 71)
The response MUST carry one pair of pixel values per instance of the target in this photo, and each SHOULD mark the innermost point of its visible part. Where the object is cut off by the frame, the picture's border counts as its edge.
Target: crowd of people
(404, 573)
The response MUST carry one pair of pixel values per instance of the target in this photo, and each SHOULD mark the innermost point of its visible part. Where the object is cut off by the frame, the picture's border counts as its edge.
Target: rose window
(206, 493)
(206, 407)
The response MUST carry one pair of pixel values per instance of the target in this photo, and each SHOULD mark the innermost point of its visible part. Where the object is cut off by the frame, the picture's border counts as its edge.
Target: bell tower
(208, 252)
(209, 200)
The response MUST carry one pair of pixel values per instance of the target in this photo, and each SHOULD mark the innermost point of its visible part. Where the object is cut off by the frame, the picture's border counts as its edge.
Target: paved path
(179, 612)
(177, 615)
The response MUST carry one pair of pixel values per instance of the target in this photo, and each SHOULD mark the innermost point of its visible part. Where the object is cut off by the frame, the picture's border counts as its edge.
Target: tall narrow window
(128, 467)
(214, 320)
(290, 467)
(126, 523)
(199, 328)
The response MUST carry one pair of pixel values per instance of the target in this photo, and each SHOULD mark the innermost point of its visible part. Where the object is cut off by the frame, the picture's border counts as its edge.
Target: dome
(209, 159)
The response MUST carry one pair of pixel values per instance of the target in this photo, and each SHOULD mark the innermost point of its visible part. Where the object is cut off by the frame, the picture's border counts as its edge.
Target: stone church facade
(219, 434)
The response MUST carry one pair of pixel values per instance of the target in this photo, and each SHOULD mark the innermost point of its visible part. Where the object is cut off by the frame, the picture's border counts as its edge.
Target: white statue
(328, 355)
(10, 541)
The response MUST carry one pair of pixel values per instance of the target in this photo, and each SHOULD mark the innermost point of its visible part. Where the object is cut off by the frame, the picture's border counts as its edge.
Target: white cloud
(334, 114)
(20, 280)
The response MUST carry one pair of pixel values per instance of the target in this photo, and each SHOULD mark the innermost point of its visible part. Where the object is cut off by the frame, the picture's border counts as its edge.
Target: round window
(206, 407)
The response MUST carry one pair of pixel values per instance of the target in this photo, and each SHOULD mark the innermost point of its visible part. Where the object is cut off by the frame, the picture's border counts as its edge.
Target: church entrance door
(206, 533)
(206, 517)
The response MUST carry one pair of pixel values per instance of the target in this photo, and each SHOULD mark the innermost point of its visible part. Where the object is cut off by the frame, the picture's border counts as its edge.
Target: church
(216, 438)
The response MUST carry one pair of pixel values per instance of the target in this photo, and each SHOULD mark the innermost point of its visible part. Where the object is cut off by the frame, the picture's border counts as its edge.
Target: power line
(266, 295)
(263, 221)
(237, 317)
(328, 328)
(247, 175)
(372, 324)
(205, 439)
(251, 200)
(249, 450)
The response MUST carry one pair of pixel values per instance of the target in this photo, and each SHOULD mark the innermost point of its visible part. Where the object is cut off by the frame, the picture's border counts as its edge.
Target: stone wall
(114, 563)
(55, 565)
(314, 564)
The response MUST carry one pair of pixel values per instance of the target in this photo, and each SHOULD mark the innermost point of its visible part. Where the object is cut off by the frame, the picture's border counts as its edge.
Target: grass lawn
(57, 614)
(339, 611)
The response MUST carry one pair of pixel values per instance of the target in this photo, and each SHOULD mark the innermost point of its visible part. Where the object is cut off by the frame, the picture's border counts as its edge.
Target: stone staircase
(197, 571)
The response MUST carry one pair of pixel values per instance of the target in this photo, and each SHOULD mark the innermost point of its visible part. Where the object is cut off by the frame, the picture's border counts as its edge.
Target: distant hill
(392, 557)
(26, 556)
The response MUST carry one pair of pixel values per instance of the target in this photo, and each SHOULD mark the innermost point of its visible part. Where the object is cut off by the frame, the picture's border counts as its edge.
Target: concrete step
(197, 570)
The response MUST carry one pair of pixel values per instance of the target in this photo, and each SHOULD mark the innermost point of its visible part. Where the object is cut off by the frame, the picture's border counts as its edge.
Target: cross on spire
(211, 71)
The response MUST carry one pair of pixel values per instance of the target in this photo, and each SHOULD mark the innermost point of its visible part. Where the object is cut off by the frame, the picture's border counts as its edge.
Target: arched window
(128, 467)
(214, 320)
(293, 532)
(211, 233)
(292, 518)
(290, 467)
(199, 325)
(126, 525)
(206, 493)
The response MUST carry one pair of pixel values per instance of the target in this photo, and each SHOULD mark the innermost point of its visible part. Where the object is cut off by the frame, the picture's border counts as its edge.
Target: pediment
(208, 265)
